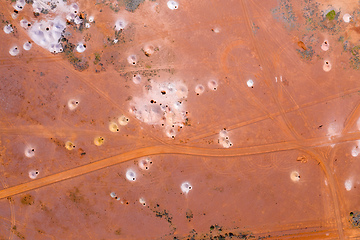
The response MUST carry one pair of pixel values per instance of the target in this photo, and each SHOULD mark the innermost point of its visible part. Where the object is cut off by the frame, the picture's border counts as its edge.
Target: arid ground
(186, 119)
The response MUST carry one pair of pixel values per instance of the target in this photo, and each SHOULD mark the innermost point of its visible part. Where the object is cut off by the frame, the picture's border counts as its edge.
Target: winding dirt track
(155, 150)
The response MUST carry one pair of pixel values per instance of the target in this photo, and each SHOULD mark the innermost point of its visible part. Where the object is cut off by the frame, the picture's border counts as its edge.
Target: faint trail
(283, 46)
(270, 163)
(333, 189)
(155, 150)
(226, 168)
(325, 167)
(227, 51)
(11, 63)
(223, 59)
(352, 119)
(254, 100)
(297, 107)
(291, 59)
(223, 62)
(268, 76)
(17, 223)
(265, 117)
(49, 132)
(3, 179)
(305, 230)
(5, 186)
(153, 67)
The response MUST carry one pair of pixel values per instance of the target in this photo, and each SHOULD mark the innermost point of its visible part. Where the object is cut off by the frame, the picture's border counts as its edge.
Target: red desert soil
(153, 119)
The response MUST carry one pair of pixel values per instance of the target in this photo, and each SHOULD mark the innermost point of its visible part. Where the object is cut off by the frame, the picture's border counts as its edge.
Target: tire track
(167, 149)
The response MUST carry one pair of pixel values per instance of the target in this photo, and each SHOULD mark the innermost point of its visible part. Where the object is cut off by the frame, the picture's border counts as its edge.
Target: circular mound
(33, 174)
(347, 17)
(250, 83)
(73, 104)
(295, 176)
(199, 89)
(98, 141)
(144, 164)
(130, 175)
(148, 49)
(327, 66)
(120, 25)
(142, 201)
(80, 47)
(123, 120)
(30, 152)
(24, 23)
(170, 132)
(186, 187)
(69, 145)
(213, 85)
(137, 79)
(325, 45)
(14, 51)
(27, 46)
(173, 5)
(8, 29)
(132, 59)
(113, 127)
